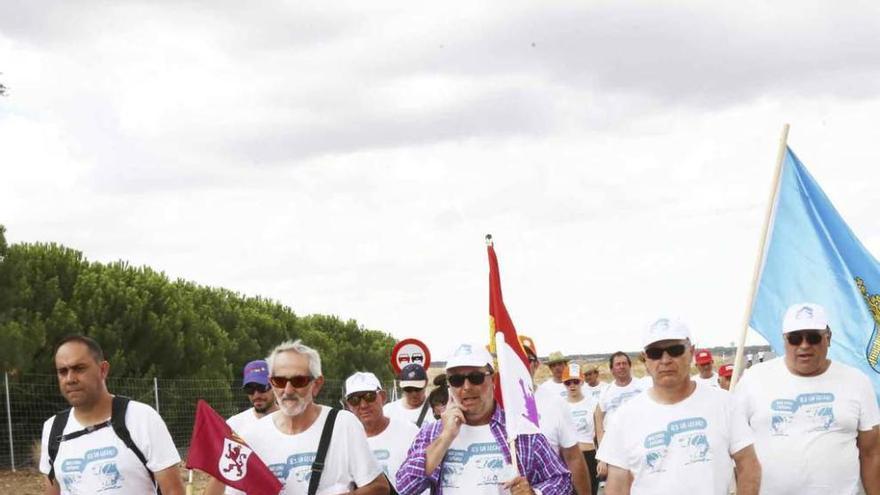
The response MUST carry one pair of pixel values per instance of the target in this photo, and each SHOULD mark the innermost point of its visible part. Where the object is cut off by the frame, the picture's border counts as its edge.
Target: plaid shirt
(536, 460)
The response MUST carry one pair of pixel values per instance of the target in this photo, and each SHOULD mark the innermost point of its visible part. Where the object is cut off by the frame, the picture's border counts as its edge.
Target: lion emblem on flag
(233, 460)
(872, 352)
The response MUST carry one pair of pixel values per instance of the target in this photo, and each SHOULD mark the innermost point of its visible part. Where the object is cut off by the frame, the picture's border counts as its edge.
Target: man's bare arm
(619, 481)
(51, 488)
(214, 487)
(169, 481)
(574, 459)
(748, 471)
(868, 443)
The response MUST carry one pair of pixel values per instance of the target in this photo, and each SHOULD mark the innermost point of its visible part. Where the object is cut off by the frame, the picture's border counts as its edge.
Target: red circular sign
(409, 351)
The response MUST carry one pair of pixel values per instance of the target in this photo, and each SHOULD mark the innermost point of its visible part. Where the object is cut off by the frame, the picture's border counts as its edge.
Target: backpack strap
(323, 446)
(117, 421)
(422, 414)
(55, 434)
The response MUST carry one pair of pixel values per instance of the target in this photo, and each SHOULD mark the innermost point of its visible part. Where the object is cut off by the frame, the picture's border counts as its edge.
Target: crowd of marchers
(799, 424)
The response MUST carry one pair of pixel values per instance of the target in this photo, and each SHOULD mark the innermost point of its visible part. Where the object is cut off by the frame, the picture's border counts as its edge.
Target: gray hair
(299, 348)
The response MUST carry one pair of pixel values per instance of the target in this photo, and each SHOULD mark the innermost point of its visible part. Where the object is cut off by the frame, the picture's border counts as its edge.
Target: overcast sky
(348, 157)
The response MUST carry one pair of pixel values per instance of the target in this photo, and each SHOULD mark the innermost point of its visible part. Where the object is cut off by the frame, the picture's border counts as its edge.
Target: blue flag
(812, 256)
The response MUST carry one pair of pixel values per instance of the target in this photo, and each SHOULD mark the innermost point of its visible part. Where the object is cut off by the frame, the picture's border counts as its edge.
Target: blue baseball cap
(256, 372)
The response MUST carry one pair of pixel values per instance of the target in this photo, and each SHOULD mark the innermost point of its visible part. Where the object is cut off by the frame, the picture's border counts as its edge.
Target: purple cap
(256, 372)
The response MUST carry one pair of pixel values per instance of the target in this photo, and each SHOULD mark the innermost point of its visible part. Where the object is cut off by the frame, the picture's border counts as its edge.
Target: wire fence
(27, 401)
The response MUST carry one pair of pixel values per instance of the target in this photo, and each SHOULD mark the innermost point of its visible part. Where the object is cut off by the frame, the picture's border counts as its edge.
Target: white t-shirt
(806, 427)
(398, 410)
(712, 381)
(594, 392)
(555, 423)
(390, 447)
(615, 396)
(474, 464)
(239, 423)
(349, 460)
(677, 448)
(582, 416)
(551, 390)
(99, 462)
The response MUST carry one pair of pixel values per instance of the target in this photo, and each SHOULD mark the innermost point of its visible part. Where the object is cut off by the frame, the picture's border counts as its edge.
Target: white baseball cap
(362, 381)
(665, 329)
(469, 355)
(804, 316)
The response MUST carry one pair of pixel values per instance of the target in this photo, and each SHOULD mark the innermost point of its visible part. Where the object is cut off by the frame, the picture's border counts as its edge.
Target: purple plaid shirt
(536, 460)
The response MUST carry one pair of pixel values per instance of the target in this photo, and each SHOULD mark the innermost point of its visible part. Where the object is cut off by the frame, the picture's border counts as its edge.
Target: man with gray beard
(287, 440)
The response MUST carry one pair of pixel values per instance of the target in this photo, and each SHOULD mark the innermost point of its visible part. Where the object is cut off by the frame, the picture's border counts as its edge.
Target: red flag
(499, 320)
(220, 452)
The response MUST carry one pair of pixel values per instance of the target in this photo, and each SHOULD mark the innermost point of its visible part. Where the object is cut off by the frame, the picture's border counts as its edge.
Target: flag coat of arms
(220, 452)
(514, 388)
(811, 255)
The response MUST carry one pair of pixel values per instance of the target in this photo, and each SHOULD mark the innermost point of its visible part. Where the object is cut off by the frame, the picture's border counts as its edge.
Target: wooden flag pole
(759, 260)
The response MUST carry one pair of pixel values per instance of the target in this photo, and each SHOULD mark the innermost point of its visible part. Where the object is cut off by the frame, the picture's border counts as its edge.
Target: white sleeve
(44, 446)
(741, 435)
(361, 463)
(150, 434)
(742, 399)
(869, 416)
(612, 450)
(567, 431)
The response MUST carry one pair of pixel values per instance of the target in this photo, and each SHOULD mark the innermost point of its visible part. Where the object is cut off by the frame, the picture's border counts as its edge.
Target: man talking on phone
(467, 451)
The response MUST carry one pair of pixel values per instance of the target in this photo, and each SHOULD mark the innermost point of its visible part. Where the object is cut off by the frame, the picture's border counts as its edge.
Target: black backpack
(116, 421)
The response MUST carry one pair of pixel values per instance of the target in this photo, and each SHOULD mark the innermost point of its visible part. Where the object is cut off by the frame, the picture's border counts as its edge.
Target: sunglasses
(412, 390)
(796, 338)
(298, 381)
(475, 377)
(252, 388)
(533, 360)
(354, 400)
(655, 353)
(572, 382)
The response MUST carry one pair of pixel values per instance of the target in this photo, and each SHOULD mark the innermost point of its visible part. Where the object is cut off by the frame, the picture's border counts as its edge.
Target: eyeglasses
(298, 381)
(411, 390)
(572, 382)
(354, 400)
(475, 377)
(674, 351)
(252, 388)
(533, 360)
(796, 338)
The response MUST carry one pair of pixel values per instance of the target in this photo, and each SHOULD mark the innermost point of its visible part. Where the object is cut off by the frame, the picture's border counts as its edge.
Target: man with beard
(287, 439)
(128, 449)
(255, 383)
(389, 438)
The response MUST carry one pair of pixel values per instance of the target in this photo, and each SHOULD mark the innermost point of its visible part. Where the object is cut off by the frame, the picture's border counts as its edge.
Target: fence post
(9, 422)
(156, 391)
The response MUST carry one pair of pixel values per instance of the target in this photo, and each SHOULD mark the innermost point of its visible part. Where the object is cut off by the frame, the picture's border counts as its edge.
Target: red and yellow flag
(514, 389)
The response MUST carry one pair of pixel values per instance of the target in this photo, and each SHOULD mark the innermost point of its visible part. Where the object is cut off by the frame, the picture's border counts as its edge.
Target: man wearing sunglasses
(815, 421)
(287, 440)
(389, 438)
(255, 384)
(677, 437)
(413, 406)
(467, 451)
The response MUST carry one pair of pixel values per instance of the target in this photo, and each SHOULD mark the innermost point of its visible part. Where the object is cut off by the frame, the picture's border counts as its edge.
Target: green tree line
(150, 325)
